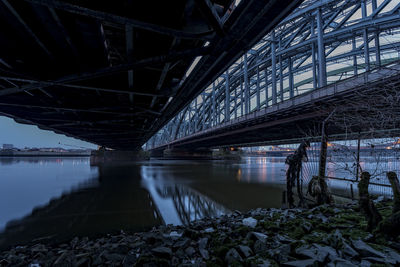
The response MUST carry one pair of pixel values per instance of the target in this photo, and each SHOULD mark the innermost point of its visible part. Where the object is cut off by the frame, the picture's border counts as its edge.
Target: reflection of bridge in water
(118, 200)
(185, 204)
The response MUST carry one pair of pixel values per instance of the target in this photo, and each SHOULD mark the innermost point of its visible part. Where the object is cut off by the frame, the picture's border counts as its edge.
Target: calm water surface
(55, 199)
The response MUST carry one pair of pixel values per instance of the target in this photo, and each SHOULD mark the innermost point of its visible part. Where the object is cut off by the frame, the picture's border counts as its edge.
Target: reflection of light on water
(264, 171)
(239, 175)
(262, 162)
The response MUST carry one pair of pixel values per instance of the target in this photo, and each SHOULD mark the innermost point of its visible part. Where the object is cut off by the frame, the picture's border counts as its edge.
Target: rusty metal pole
(358, 157)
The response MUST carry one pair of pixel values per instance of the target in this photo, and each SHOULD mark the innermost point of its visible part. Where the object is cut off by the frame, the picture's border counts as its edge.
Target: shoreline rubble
(326, 235)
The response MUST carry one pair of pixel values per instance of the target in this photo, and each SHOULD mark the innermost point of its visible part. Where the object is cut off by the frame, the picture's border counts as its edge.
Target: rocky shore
(321, 236)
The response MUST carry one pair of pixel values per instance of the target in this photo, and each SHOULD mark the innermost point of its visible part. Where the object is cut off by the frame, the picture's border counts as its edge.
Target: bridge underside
(115, 73)
(366, 105)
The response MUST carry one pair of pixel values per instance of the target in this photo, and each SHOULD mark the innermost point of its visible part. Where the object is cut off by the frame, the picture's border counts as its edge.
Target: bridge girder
(137, 62)
(322, 42)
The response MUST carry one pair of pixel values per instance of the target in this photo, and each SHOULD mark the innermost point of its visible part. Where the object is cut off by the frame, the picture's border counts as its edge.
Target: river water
(55, 199)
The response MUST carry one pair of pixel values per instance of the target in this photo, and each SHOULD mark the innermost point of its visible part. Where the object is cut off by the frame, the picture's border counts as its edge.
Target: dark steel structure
(113, 73)
(325, 52)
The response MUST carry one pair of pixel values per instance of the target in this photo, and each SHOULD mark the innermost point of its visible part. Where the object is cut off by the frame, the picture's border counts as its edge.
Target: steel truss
(322, 42)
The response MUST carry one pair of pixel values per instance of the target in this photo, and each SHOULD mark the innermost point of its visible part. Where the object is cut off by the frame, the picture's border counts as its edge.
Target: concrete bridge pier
(101, 156)
(227, 153)
(159, 153)
(183, 153)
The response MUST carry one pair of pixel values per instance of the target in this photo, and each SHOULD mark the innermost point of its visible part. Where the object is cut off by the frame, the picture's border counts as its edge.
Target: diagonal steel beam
(173, 56)
(72, 109)
(103, 16)
(210, 14)
(161, 93)
(26, 27)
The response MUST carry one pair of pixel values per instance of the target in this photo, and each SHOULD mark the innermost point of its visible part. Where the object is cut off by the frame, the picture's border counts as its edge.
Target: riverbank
(322, 236)
(44, 154)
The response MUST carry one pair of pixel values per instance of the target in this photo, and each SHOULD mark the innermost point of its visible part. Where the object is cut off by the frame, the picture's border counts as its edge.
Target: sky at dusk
(22, 135)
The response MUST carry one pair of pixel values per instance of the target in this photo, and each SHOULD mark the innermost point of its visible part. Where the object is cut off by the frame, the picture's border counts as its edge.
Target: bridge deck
(114, 73)
(301, 116)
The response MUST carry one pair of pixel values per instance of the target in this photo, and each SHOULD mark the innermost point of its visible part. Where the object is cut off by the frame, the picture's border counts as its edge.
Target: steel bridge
(113, 73)
(323, 56)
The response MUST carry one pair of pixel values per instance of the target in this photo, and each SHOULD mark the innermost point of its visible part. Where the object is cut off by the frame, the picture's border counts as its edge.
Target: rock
(74, 242)
(257, 236)
(137, 244)
(190, 251)
(317, 252)
(122, 249)
(365, 250)
(307, 227)
(203, 242)
(365, 263)
(245, 251)
(162, 251)
(130, 259)
(151, 238)
(284, 249)
(336, 239)
(379, 199)
(114, 257)
(174, 261)
(97, 261)
(250, 222)
(204, 253)
(393, 254)
(336, 210)
(281, 253)
(395, 245)
(283, 239)
(232, 256)
(61, 258)
(380, 260)
(175, 234)
(180, 253)
(209, 230)
(302, 263)
(237, 213)
(190, 233)
(39, 248)
(319, 217)
(331, 251)
(265, 263)
(182, 243)
(259, 247)
(348, 250)
(369, 237)
(341, 263)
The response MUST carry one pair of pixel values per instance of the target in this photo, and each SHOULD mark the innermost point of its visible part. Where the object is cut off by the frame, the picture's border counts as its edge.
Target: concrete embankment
(322, 236)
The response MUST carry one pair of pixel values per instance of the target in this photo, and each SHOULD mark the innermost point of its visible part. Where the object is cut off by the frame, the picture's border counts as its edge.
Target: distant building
(8, 146)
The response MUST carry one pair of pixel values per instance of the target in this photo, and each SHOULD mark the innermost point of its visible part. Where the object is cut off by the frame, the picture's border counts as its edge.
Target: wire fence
(341, 172)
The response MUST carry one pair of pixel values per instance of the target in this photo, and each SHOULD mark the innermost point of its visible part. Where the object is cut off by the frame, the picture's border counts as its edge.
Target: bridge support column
(181, 153)
(157, 153)
(98, 157)
(227, 153)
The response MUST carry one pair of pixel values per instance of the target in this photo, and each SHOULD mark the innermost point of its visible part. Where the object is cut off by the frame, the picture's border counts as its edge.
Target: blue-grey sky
(22, 135)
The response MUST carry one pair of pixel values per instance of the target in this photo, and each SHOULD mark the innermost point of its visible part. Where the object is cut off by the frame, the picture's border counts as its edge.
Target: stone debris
(250, 222)
(322, 236)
